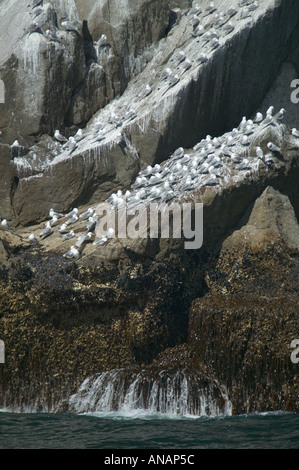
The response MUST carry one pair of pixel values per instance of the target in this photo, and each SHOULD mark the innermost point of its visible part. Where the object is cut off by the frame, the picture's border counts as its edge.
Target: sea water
(140, 429)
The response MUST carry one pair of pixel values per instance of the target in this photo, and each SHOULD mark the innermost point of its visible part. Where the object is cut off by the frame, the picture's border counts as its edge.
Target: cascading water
(166, 392)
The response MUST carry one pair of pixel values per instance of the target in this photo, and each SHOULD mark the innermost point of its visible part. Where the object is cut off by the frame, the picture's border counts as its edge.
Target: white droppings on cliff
(32, 48)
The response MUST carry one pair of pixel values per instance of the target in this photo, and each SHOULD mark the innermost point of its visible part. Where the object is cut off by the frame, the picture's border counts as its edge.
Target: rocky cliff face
(144, 84)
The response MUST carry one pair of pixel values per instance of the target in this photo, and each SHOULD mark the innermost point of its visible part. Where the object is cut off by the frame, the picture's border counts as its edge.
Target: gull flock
(213, 162)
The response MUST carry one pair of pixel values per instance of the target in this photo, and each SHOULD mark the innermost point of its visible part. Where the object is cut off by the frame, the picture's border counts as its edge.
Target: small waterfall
(166, 392)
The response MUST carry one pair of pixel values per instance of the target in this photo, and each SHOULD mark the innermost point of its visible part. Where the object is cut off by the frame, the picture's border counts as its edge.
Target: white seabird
(47, 231)
(295, 132)
(92, 221)
(72, 253)
(72, 212)
(53, 213)
(32, 238)
(68, 236)
(83, 238)
(259, 153)
(173, 79)
(145, 92)
(280, 115)
(228, 28)
(4, 224)
(202, 58)
(210, 9)
(58, 136)
(181, 56)
(186, 65)
(244, 165)
(194, 21)
(130, 114)
(68, 26)
(245, 13)
(62, 228)
(253, 6)
(273, 147)
(212, 180)
(258, 118)
(198, 31)
(87, 213)
(110, 233)
(72, 220)
(100, 242)
(231, 11)
(102, 41)
(79, 135)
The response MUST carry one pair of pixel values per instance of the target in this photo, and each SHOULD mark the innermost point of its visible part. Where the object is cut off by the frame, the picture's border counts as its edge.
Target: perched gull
(102, 41)
(92, 221)
(203, 58)
(110, 233)
(259, 153)
(253, 6)
(270, 111)
(181, 56)
(130, 114)
(258, 118)
(69, 27)
(79, 135)
(72, 220)
(228, 28)
(59, 136)
(210, 9)
(83, 238)
(87, 213)
(244, 165)
(72, 253)
(53, 221)
(173, 79)
(62, 228)
(198, 31)
(295, 132)
(245, 13)
(196, 10)
(70, 145)
(32, 238)
(47, 231)
(72, 212)
(274, 148)
(4, 224)
(281, 114)
(145, 92)
(69, 236)
(194, 21)
(186, 65)
(101, 241)
(231, 11)
(52, 214)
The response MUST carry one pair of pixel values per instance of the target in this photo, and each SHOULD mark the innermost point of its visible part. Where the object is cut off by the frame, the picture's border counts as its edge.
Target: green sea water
(148, 431)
